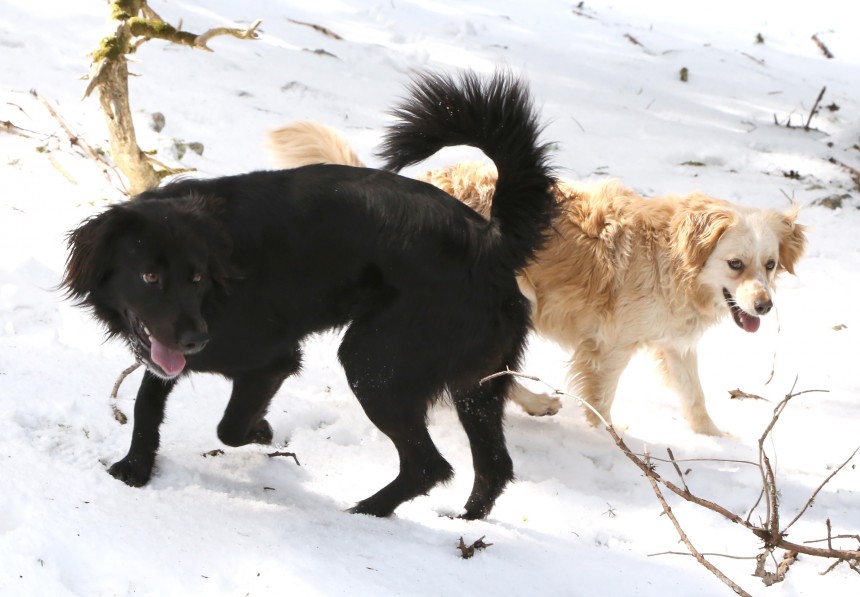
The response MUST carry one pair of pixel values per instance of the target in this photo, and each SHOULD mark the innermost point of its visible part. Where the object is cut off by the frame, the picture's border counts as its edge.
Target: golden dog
(621, 273)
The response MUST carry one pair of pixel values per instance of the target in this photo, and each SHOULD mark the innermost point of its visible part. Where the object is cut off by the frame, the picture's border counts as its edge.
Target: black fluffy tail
(497, 116)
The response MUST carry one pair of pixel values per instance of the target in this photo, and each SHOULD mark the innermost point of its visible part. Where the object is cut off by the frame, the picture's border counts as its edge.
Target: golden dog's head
(731, 255)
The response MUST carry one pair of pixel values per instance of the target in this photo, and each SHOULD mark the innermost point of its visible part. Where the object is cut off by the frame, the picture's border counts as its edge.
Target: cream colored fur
(621, 273)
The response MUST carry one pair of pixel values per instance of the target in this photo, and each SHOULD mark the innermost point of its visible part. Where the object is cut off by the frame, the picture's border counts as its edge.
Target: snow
(580, 520)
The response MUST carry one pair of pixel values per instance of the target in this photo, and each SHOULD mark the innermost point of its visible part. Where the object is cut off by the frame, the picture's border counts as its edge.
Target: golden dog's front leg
(681, 373)
(594, 374)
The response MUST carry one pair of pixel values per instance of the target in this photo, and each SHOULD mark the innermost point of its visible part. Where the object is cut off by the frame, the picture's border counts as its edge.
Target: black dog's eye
(736, 264)
(197, 277)
(149, 278)
(770, 265)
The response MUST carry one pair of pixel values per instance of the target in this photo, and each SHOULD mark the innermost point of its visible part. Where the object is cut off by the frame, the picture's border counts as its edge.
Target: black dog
(229, 275)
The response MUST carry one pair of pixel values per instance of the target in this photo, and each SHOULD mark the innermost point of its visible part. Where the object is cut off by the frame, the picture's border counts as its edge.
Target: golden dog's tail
(303, 143)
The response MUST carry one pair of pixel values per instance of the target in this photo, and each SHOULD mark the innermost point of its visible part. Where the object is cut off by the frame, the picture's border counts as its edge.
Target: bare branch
(678, 470)
(117, 413)
(819, 488)
(710, 555)
(287, 455)
(814, 108)
(77, 141)
(769, 533)
(249, 33)
(824, 49)
(135, 23)
(9, 127)
(699, 557)
(325, 31)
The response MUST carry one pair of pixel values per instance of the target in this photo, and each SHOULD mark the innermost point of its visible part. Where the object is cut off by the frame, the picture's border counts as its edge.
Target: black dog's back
(425, 288)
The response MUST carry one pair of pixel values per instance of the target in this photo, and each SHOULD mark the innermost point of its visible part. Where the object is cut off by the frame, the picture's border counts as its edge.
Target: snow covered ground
(580, 520)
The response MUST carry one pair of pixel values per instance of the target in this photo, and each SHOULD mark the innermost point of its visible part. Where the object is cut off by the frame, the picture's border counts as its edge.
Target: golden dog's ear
(696, 230)
(792, 238)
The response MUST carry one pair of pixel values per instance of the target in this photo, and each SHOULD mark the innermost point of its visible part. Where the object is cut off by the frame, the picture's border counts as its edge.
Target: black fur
(229, 275)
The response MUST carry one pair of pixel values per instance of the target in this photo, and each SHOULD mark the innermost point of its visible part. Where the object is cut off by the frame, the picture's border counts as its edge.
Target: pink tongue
(750, 323)
(171, 362)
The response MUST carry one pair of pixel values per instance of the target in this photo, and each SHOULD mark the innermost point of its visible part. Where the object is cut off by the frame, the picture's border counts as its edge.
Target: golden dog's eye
(736, 264)
(770, 265)
(149, 278)
(197, 277)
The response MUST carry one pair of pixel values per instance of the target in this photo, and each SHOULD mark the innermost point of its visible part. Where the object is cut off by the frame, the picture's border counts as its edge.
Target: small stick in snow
(741, 395)
(286, 454)
(824, 49)
(117, 413)
(467, 551)
(768, 532)
(325, 31)
(814, 108)
(76, 141)
(678, 470)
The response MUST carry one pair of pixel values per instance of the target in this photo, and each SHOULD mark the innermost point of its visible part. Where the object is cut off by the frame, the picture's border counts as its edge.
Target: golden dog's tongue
(750, 323)
(171, 362)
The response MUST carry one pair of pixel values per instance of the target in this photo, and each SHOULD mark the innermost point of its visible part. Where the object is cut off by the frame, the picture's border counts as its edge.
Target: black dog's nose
(763, 307)
(193, 341)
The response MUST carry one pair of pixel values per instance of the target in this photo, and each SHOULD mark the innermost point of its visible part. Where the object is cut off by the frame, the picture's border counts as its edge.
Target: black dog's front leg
(136, 468)
(243, 421)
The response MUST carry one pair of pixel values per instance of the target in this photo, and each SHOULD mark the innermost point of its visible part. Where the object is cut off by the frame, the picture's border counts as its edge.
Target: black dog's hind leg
(136, 468)
(396, 401)
(421, 465)
(481, 412)
(243, 421)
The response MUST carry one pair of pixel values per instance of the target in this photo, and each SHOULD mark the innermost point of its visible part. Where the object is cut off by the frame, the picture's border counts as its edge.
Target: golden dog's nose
(763, 307)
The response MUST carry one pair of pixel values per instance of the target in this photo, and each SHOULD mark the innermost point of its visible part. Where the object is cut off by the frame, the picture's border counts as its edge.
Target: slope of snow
(580, 520)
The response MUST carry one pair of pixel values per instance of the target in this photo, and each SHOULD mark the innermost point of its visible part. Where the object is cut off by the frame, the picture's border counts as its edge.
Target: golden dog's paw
(540, 405)
(707, 427)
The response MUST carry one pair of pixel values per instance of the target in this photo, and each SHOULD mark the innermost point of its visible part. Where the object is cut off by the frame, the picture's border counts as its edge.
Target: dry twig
(286, 454)
(9, 127)
(741, 395)
(467, 551)
(117, 413)
(814, 108)
(769, 533)
(325, 31)
(824, 49)
(76, 140)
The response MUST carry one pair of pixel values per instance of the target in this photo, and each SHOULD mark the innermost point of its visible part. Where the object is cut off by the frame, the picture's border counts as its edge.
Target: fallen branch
(76, 140)
(814, 108)
(117, 413)
(769, 532)
(824, 49)
(286, 454)
(852, 171)
(467, 551)
(325, 31)
(818, 489)
(686, 540)
(9, 127)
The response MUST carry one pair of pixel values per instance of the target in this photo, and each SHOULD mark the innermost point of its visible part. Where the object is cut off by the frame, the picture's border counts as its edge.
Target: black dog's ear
(90, 249)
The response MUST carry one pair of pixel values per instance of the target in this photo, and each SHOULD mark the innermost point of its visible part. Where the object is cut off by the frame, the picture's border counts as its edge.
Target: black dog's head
(145, 269)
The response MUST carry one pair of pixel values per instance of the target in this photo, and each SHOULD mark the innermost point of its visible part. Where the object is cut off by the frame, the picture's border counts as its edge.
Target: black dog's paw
(131, 471)
(371, 508)
(261, 434)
